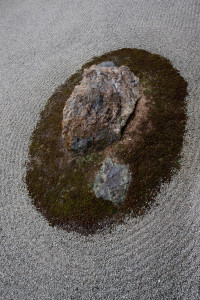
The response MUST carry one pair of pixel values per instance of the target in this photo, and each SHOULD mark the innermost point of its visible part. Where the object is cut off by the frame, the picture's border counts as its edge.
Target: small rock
(112, 182)
(99, 107)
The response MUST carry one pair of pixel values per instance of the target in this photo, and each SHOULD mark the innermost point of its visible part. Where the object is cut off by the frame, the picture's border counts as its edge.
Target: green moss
(62, 192)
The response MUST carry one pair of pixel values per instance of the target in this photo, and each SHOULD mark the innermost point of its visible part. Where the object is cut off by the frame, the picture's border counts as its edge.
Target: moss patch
(62, 190)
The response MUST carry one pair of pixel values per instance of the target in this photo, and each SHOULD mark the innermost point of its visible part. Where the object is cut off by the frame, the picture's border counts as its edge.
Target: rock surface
(99, 107)
(108, 64)
(112, 182)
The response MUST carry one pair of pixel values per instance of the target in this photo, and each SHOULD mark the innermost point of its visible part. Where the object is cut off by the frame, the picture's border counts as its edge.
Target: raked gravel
(42, 42)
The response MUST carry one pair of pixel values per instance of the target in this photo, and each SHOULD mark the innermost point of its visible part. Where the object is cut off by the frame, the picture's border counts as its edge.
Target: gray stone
(108, 64)
(112, 182)
(99, 107)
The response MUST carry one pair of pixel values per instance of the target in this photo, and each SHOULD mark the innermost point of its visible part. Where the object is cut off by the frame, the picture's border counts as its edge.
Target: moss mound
(62, 190)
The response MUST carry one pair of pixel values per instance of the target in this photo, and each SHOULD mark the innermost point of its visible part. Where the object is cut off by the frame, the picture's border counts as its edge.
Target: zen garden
(106, 140)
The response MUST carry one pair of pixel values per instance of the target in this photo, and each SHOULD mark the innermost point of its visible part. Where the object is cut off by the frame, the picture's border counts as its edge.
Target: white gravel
(42, 42)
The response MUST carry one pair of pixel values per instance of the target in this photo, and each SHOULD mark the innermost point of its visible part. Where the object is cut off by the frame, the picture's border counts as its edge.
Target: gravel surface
(157, 256)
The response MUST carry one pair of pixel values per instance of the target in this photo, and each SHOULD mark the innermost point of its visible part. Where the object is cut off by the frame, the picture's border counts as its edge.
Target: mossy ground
(61, 191)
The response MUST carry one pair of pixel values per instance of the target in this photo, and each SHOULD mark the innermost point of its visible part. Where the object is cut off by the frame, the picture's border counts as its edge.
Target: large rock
(112, 182)
(99, 107)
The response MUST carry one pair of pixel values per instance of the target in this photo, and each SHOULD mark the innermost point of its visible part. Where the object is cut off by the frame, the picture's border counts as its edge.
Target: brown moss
(61, 191)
